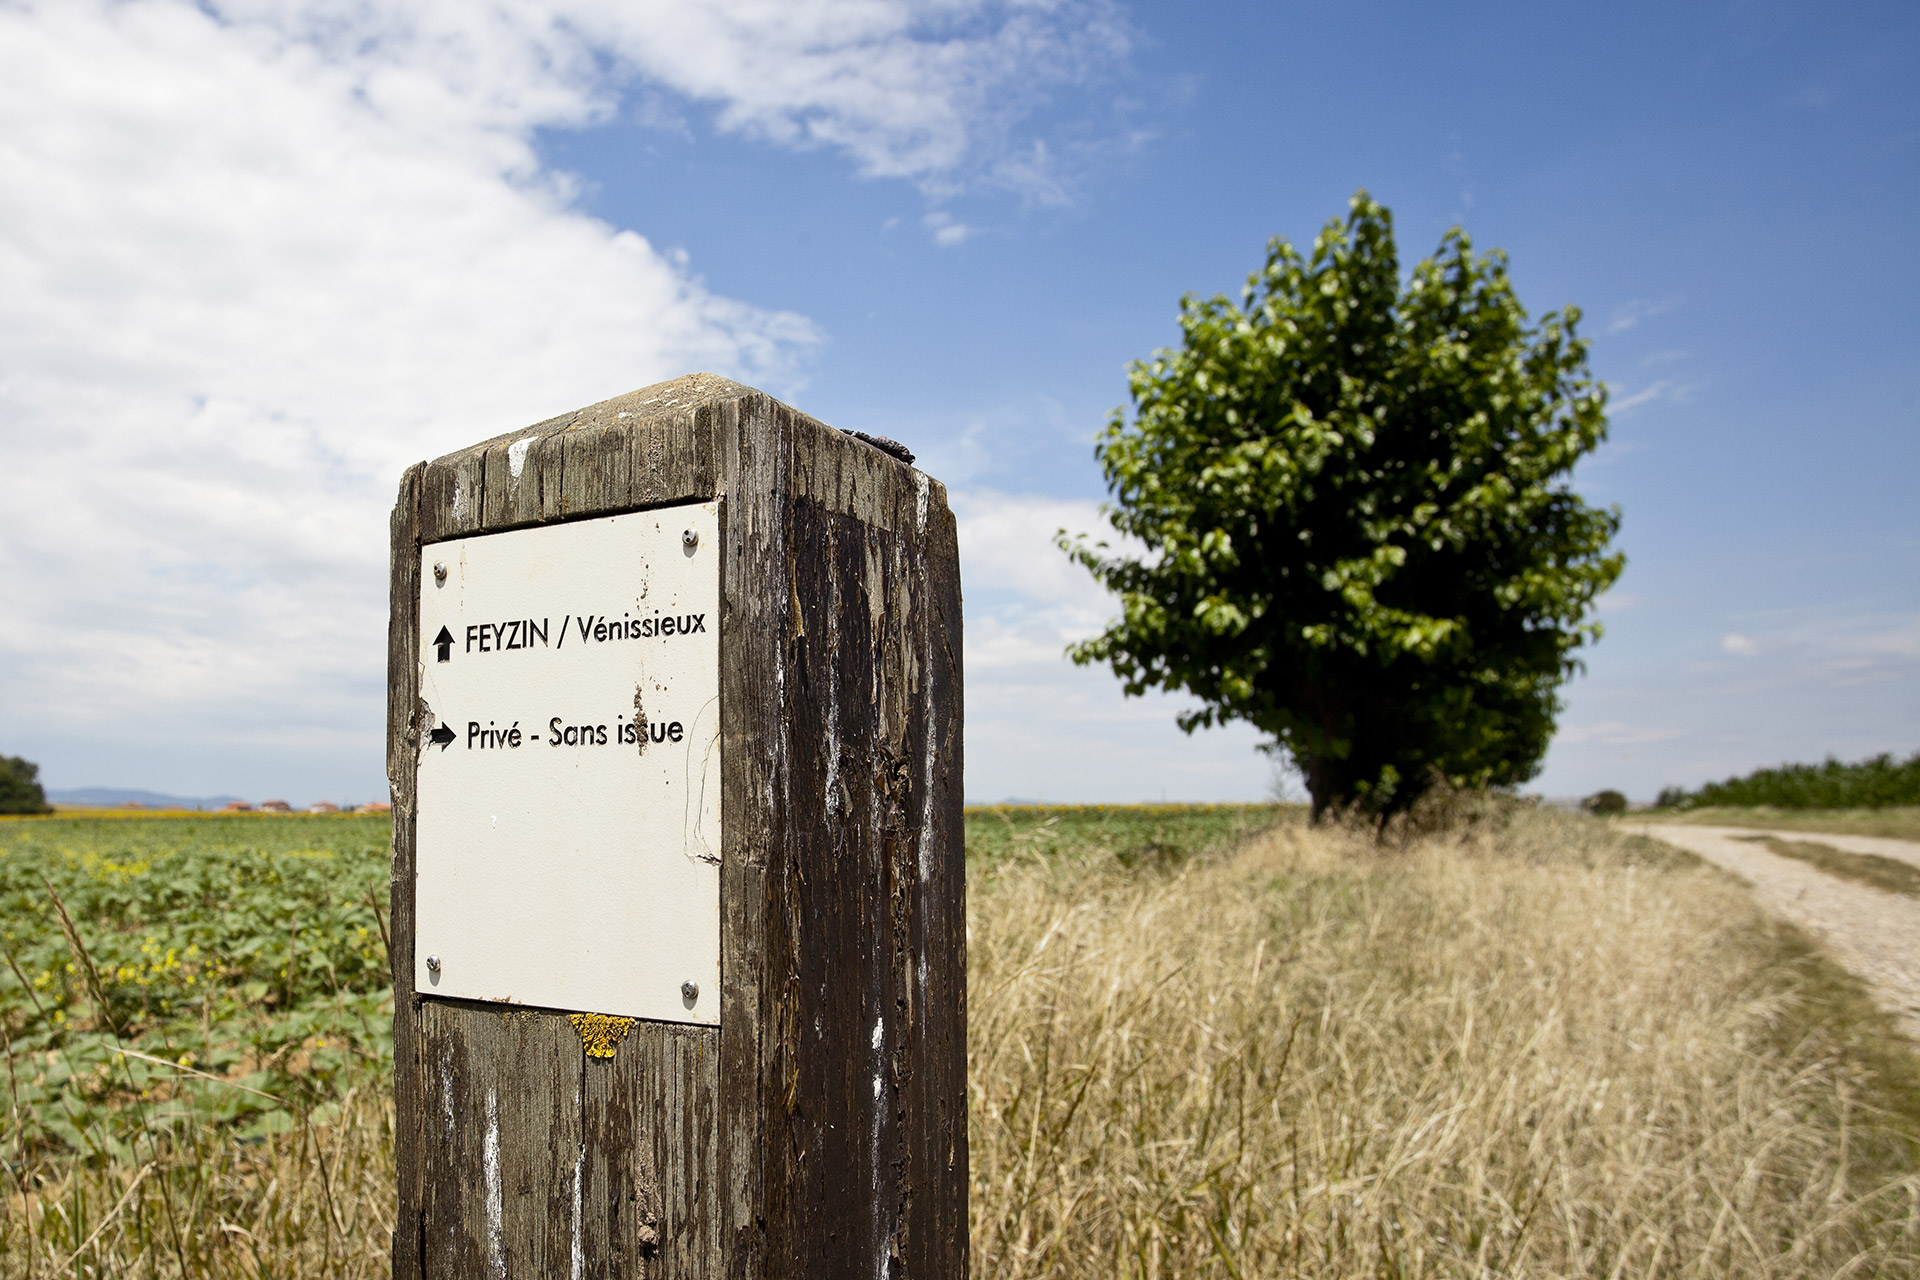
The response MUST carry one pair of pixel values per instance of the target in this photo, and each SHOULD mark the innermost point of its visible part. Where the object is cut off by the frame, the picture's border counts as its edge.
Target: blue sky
(256, 256)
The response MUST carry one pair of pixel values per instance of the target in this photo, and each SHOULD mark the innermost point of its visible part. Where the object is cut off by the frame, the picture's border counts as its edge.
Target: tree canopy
(1351, 517)
(1875, 783)
(20, 790)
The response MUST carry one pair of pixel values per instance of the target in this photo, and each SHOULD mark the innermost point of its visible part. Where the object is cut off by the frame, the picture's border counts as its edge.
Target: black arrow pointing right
(442, 735)
(444, 642)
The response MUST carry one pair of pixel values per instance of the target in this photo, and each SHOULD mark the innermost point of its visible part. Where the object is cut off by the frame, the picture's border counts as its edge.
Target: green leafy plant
(1352, 524)
(162, 972)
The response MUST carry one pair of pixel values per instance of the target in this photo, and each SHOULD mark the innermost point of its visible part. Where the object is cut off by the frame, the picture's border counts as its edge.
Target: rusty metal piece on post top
(600, 1032)
(892, 448)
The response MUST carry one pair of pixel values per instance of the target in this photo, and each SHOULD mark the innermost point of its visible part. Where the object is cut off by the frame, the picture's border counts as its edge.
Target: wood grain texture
(821, 1130)
(403, 742)
(501, 1141)
(652, 1145)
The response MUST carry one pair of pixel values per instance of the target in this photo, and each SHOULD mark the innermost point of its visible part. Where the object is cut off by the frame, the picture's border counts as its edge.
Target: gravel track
(1874, 933)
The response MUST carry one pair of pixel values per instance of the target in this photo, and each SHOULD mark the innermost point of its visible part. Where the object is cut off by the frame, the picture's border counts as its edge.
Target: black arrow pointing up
(442, 735)
(444, 641)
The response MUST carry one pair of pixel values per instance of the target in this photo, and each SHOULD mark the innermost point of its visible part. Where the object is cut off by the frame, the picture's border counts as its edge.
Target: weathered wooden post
(679, 923)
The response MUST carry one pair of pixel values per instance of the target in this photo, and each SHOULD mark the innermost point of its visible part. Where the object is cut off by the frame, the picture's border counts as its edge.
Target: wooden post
(811, 1121)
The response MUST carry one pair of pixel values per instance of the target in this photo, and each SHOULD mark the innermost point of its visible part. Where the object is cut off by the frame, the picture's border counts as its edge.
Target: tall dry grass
(1529, 1050)
(191, 1201)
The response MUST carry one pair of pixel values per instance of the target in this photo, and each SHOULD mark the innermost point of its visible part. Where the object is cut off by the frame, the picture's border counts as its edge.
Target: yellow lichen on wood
(600, 1032)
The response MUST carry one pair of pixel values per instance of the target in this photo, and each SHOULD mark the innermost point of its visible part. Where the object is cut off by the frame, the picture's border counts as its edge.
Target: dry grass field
(1521, 1046)
(1527, 1048)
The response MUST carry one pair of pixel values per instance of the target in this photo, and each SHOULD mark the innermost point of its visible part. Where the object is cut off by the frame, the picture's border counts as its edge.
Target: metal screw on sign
(689, 991)
(433, 964)
(440, 571)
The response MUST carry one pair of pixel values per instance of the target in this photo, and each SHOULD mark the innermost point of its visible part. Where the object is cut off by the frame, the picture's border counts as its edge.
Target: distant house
(378, 806)
(323, 806)
(275, 806)
(132, 804)
(236, 806)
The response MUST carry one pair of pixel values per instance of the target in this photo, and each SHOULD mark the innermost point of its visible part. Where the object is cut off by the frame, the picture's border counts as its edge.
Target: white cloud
(1068, 735)
(1795, 684)
(1629, 314)
(1039, 727)
(1827, 648)
(1853, 651)
(1008, 539)
(945, 231)
(256, 257)
(1664, 389)
(1026, 602)
(930, 90)
(236, 298)
(1613, 733)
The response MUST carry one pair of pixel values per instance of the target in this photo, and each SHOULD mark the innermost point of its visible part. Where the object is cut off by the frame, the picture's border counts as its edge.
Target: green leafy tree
(1606, 804)
(1352, 494)
(1875, 783)
(20, 790)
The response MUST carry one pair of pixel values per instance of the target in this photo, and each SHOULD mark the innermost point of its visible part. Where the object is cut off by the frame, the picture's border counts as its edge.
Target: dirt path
(1874, 933)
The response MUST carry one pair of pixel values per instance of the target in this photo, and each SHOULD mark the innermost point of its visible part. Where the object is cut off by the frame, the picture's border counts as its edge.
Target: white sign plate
(569, 787)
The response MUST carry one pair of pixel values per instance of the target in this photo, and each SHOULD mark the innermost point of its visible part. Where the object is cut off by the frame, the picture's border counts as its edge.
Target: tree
(1355, 530)
(20, 790)
(1605, 804)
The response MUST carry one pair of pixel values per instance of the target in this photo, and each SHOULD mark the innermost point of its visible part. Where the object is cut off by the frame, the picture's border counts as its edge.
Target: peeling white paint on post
(496, 1228)
(446, 1090)
(578, 1255)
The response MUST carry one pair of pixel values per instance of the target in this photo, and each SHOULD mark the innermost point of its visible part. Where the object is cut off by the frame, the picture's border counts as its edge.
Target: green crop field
(144, 956)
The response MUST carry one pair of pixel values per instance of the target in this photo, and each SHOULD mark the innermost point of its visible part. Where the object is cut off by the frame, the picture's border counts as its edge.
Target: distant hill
(114, 797)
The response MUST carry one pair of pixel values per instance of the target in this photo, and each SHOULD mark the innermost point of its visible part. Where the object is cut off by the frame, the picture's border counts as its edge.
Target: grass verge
(1897, 823)
(1889, 874)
